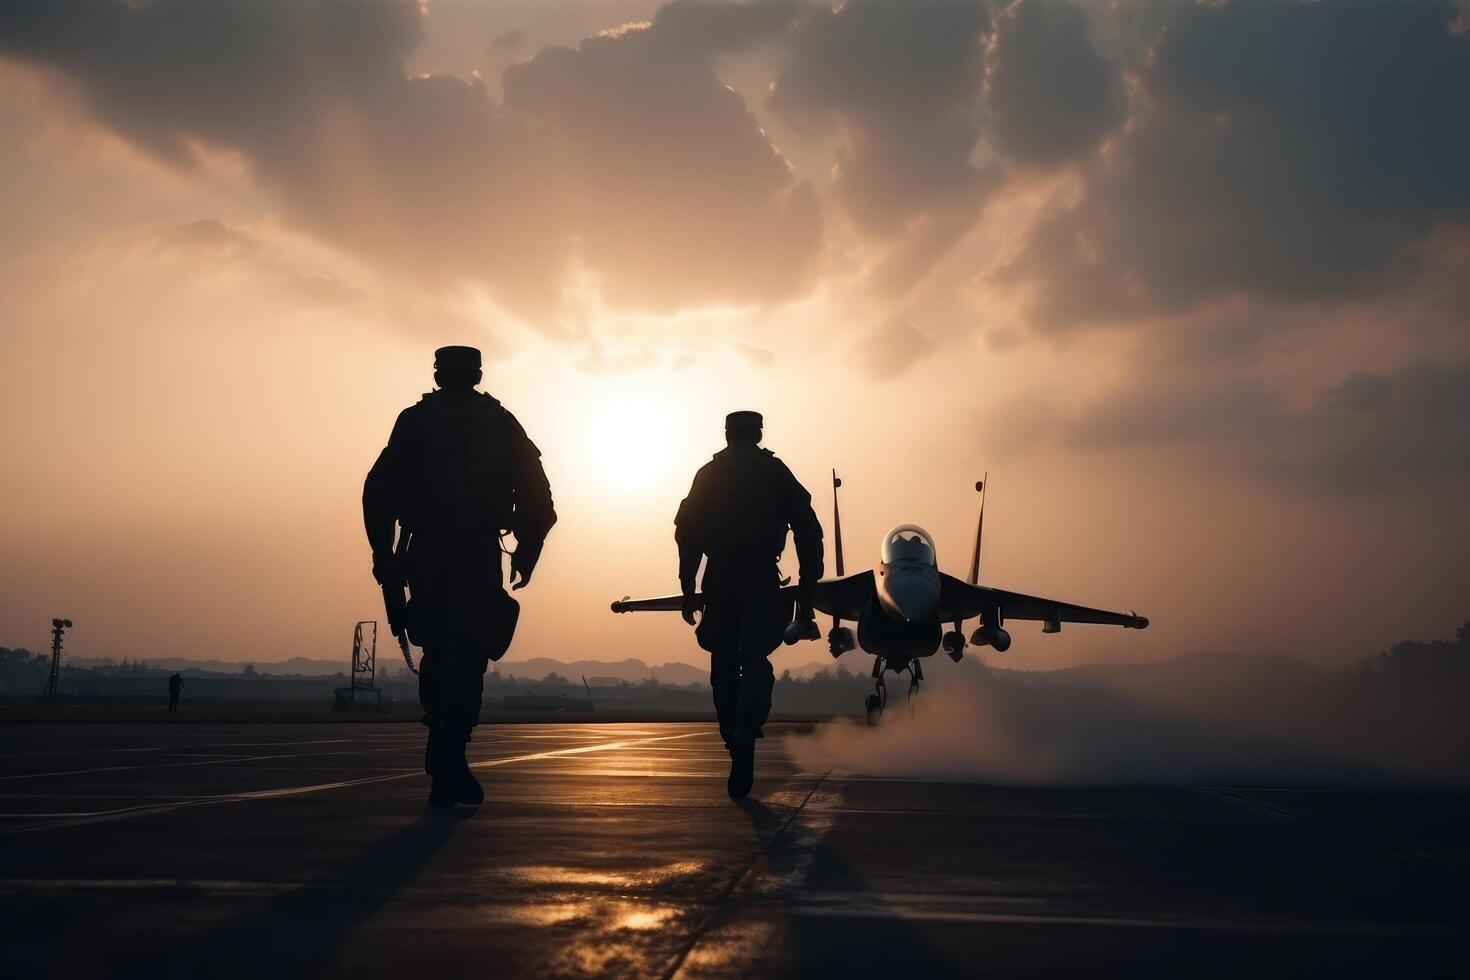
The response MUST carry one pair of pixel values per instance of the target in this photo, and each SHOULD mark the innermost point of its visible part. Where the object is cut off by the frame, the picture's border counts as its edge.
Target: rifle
(396, 604)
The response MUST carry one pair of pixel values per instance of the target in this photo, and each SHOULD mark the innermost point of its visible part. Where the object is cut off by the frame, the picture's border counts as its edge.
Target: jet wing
(961, 600)
(835, 596)
(663, 603)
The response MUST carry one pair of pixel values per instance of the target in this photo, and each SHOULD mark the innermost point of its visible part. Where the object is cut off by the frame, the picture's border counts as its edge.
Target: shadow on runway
(881, 944)
(300, 931)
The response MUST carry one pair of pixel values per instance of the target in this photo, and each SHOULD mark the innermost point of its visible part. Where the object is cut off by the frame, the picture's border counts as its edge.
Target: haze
(1197, 303)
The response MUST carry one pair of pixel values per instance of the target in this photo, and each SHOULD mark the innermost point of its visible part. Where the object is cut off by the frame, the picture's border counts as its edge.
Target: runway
(611, 850)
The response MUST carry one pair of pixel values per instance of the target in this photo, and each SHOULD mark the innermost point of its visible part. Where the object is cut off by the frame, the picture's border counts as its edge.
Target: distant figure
(737, 514)
(175, 688)
(457, 473)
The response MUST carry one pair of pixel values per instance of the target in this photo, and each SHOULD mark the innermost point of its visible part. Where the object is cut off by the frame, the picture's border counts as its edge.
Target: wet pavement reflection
(611, 850)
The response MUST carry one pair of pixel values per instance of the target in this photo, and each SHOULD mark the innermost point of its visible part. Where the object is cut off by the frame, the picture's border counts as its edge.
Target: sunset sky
(1192, 282)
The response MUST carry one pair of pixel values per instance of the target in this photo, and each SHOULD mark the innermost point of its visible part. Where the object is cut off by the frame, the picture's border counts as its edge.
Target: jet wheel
(874, 708)
(874, 704)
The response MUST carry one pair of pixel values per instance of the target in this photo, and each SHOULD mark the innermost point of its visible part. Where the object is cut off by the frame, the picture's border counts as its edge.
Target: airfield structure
(53, 680)
(364, 671)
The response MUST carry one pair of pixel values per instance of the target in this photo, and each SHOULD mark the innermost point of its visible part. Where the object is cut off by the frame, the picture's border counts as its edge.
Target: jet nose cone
(914, 596)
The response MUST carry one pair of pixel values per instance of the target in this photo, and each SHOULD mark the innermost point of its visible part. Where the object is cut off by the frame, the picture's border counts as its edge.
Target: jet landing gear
(916, 674)
(874, 703)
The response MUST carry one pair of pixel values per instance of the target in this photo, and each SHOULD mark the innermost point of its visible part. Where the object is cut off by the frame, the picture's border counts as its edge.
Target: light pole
(58, 626)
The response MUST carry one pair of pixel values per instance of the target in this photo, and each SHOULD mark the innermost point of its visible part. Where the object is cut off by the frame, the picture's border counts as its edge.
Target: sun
(636, 436)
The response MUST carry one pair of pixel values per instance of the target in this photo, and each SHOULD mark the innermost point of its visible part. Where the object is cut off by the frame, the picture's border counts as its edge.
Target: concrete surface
(290, 850)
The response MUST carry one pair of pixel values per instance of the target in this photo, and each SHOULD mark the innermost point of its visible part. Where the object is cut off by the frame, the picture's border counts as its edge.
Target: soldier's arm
(534, 513)
(378, 517)
(689, 536)
(806, 531)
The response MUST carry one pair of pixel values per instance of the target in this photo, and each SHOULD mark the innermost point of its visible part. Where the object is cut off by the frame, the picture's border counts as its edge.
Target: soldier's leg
(719, 633)
(431, 682)
(481, 624)
(465, 686)
(761, 625)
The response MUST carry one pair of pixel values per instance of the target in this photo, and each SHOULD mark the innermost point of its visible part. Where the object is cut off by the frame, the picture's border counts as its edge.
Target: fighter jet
(902, 605)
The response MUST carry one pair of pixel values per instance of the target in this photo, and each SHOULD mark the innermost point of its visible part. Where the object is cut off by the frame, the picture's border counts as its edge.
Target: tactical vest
(742, 511)
(458, 471)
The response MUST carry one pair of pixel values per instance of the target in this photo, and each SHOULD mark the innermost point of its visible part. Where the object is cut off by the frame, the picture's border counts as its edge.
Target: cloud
(217, 247)
(1049, 95)
(676, 196)
(890, 350)
(897, 88)
(930, 105)
(509, 41)
(625, 156)
(1290, 151)
(1369, 431)
(761, 357)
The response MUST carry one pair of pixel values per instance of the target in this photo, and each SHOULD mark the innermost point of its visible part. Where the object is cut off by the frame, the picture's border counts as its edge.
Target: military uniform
(457, 471)
(737, 515)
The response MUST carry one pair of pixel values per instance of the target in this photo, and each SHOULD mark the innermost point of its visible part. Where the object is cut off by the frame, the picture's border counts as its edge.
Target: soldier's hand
(689, 608)
(388, 570)
(521, 568)
(804, 590)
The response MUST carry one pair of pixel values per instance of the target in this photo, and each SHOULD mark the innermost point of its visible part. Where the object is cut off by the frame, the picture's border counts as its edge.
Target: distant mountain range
(631, 670)
(597, 672)
(1183, 679)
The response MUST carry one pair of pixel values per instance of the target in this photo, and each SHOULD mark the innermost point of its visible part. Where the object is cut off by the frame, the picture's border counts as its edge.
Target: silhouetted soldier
(737, 515)
(175, 688)
(458, 471)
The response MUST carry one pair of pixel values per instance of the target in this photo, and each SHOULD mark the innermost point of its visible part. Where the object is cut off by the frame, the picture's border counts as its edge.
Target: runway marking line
(167, 748)
(126, 813)
(212, 761)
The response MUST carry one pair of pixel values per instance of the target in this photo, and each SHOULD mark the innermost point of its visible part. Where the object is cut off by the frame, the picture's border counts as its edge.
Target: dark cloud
(703, 26)
(676, 195)
(257, 76)
(1294, 151)
(1388, 427)
(626, 155)
(928, 104)
(509, 41)
(1370, 431)
(1049, 95)
(896, 86)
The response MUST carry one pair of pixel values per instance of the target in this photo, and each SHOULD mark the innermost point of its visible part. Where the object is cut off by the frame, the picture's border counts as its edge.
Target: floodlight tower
(58, 626)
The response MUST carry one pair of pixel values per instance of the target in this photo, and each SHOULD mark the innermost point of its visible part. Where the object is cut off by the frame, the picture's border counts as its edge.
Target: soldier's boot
(742, 767)
(470, 791)
(454, 782)
(438, 761)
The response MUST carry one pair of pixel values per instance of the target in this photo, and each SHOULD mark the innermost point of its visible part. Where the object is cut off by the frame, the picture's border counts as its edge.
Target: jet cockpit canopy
(909, 542)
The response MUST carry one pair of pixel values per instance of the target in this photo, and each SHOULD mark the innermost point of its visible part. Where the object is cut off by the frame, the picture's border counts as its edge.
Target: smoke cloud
(1223, 720)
